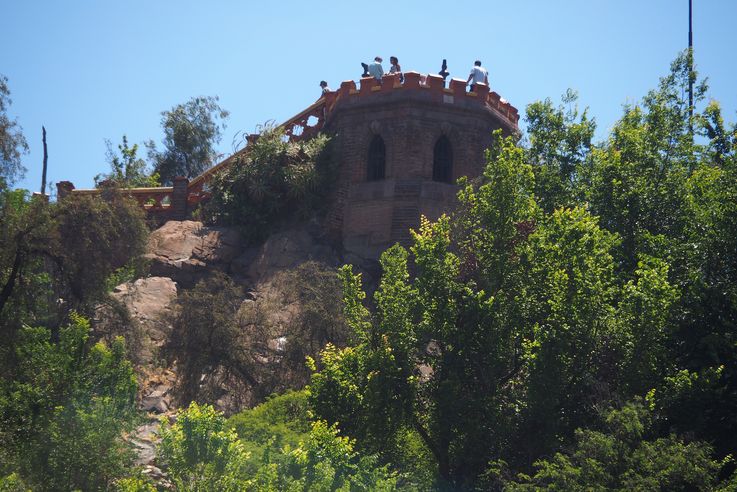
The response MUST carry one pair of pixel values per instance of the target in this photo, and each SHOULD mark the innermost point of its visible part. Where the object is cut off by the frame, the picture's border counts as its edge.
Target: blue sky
(92, 69)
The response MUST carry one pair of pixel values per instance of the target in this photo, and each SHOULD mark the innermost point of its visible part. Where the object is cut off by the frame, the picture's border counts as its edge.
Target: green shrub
(208, 335)
(623, 457)
(64, 409)
(203, 454)
(274, 179)
(280, 422)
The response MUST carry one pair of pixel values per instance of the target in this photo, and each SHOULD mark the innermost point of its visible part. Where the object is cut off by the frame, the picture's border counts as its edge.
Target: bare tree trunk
(46, 160)
(440, 453)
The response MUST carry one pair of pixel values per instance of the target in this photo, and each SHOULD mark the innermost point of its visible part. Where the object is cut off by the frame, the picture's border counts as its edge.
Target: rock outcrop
(291, 309)
(186, 250)
(281, 251)
(149, 302)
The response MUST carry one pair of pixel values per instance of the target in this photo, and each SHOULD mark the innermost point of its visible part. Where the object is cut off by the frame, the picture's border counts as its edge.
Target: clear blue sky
(93, 69)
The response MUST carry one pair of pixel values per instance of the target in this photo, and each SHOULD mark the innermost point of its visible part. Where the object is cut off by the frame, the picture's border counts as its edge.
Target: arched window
(376, 159)
(442, 162)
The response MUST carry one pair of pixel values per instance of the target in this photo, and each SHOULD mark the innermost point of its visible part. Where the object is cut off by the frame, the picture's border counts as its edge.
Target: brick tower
(401, 147)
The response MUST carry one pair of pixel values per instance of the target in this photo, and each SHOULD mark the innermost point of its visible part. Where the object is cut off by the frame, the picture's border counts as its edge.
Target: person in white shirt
(478, 75)
(375, 69)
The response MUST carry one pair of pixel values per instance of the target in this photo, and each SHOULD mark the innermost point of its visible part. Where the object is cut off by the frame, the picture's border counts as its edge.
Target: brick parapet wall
(426, 87)
(179, 197)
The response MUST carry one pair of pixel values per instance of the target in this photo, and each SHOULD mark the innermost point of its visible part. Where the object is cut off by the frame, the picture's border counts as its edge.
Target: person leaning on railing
(478, 75)
(325, 88)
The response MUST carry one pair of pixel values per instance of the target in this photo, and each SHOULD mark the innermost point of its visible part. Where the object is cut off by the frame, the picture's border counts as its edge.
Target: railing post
(63, 189)
(179, 196)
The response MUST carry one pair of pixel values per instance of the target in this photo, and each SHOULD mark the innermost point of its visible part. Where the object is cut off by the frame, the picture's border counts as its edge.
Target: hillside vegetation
(571, 326)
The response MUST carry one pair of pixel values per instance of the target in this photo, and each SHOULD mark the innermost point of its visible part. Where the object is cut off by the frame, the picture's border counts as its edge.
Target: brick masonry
(369, 216)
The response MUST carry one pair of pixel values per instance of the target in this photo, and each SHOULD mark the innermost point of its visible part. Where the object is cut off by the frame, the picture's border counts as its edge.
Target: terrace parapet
(432, 88)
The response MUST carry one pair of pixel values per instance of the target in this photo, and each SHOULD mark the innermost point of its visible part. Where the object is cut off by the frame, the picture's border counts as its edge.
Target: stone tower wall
(369, 216)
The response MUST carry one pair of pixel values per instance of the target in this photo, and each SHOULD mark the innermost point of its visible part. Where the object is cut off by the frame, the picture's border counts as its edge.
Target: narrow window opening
(376, 159)
(442, 166)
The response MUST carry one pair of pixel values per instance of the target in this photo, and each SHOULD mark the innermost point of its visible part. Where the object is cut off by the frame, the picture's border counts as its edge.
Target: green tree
(721, 139)
(625, 456)
(311, 293)
(280, 421)
(63, 409)
(637, 179)
(203, 454)
(326, 461)
(273, 180)
(127, 170)
(191, 132)
(12, 483)
(57, 257)
(560, 143)
(25, 228)
(12, 142)
(511, 331)
(93, 237)
(700, 393)
(671, 199)
(209, 336)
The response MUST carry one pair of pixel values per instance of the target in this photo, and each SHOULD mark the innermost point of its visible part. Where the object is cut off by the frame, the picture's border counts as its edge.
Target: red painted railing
(301, 126)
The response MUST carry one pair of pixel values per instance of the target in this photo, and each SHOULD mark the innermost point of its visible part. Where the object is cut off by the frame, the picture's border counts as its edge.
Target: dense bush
(208, 336)
(296, 315)
(281, 420)
(64, 408)
(256, 347)
(58, 257)
(94, 237)
(202, 454)
(624, 456)
(273, 180)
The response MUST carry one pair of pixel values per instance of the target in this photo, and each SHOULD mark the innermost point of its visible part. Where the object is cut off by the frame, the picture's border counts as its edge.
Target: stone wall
(371, 215)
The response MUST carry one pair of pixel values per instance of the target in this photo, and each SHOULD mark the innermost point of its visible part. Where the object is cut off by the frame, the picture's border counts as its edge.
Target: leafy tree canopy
(63, 408)
(203, 454)
(623, 457)
(12, 142)
(572, 276)
(57, 257)
(191, 132)
(127, 170)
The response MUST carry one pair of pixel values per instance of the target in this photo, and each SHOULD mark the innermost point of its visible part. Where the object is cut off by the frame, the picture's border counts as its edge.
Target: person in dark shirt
(395, 68)
(325, 88)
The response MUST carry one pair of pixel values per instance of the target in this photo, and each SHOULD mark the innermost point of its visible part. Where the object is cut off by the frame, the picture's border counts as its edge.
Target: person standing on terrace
(395, 68)
(325, 88)
(478, 75)
(375, 69)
